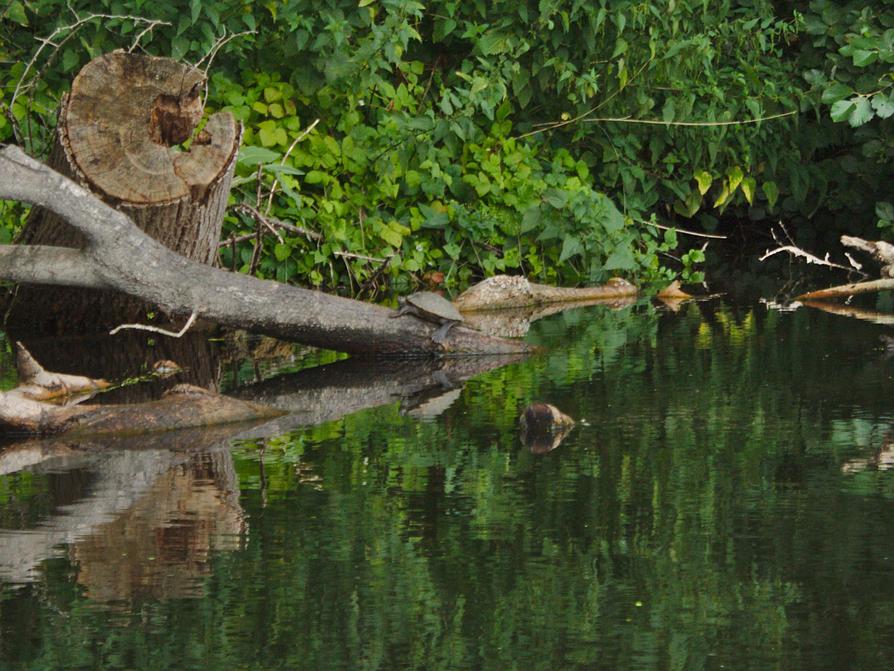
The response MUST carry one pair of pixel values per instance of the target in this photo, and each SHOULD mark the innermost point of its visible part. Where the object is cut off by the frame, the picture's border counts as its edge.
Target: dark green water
(722, 503)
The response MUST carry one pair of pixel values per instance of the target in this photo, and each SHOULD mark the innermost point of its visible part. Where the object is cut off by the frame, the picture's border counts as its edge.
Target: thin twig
(156, 329)
(374, 278)
(136, 42)
(656, 122)
(681, 230)
(273, 222)
(552, 125)
(351, 255)
(292, 146)
(212, 53)
(217, 45)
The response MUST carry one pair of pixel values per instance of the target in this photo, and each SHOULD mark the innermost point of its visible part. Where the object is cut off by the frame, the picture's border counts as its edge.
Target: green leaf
(862, 58)
(284, 169)
(272, 94)
(704, 180)
(16, 12)
(256, 156)
(754, 107)
(282, 251)
(612, 220)
(269, 136)
(179, 46)
(558, 198)
(365, 3)
(531, 219)
(621, 259)
(315, 177)
(433, 218)
(884, 211)
(571, 247)
(836, 92)
(883, 105)
(195, 7)
(771, 191)
(390, 236)
(734, 175)
(667, 112)
(69, 60)
(862, 112)
(748, 187)
(841, 110)
(724, 196)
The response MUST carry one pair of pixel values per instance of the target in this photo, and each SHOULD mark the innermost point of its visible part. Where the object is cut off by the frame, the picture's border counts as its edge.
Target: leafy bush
(467, 138)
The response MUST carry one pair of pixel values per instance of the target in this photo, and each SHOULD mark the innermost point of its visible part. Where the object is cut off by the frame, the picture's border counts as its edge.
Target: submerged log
(117, 136)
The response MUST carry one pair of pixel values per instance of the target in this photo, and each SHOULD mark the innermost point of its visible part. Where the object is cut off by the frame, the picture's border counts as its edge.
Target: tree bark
(120, 256)
(116, 136)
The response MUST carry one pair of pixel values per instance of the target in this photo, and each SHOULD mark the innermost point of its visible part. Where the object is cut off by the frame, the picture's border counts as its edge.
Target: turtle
(431, 307)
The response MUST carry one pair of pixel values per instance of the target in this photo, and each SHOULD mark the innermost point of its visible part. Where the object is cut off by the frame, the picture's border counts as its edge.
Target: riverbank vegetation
(443, 141)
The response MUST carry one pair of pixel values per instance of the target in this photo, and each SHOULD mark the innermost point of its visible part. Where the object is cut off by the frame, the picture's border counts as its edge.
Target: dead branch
(790, 247)
(155, 329)
(881, 251)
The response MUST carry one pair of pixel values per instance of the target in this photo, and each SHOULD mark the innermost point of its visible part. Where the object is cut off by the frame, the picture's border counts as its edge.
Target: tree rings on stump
(121, 134)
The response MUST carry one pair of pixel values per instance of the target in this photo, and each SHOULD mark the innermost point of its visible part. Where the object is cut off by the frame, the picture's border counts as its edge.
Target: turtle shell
(434, 305)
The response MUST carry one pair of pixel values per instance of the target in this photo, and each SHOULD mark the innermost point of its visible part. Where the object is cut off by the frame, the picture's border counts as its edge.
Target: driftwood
(506, 305)
(26, 409)
(505, 291)
(115, 137)
(119, 256)
(846, 290)
(881, 251)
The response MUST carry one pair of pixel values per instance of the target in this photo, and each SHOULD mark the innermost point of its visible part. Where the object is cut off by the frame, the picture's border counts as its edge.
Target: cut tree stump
(118, 134)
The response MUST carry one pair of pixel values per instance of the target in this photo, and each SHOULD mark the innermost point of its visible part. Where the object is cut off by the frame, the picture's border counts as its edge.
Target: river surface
(722, 503)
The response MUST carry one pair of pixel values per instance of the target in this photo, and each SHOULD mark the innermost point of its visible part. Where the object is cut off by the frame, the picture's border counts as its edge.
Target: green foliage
(468, 138)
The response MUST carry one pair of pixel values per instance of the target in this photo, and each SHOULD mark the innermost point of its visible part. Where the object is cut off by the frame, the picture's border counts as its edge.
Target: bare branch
(681, 230)
(794, 250)
(292, 146)
(156, 329)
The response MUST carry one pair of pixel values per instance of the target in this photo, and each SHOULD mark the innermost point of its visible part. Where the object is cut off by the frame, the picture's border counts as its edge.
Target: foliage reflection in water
(723, 502)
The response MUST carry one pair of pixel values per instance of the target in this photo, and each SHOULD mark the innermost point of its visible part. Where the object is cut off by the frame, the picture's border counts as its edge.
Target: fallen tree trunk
(119, 256)
(116, 136)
